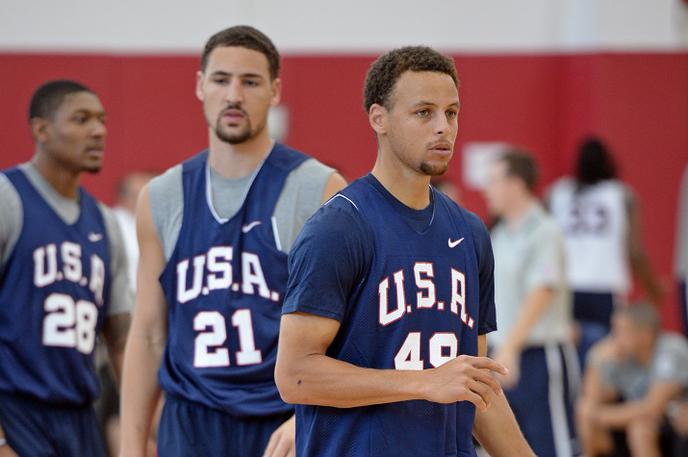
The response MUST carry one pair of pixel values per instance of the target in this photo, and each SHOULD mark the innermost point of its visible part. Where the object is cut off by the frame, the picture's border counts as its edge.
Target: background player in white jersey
(63, 279)
(216, 230)
(533, 336)
(600, 219)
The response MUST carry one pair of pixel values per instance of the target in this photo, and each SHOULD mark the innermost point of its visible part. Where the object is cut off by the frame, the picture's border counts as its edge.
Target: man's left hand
(283, 440)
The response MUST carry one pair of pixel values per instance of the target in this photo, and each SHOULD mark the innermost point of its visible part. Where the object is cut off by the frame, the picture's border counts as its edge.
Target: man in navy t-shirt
(390, 293)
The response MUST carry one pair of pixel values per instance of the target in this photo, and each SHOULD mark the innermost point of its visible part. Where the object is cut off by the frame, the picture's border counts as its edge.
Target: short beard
(430, 170)
(234, 138)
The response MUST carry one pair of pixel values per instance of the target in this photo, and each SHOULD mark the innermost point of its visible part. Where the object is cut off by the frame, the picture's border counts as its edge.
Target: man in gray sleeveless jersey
(228, 215)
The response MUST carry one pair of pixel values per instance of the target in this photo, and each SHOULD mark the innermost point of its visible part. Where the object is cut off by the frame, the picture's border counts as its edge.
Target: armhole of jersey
(115, 236)
(303, 179)
(629, 197)
(12, 243)
(118, 260)
(300, 198)
(161, 219)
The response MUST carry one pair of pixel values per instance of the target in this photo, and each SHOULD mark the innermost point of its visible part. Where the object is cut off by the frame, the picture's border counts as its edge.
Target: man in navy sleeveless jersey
(390, 294)
(216, 231)
(63, 280)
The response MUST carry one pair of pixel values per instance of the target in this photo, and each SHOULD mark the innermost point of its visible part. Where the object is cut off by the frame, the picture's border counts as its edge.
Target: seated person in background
(631, 378)
(678, 413)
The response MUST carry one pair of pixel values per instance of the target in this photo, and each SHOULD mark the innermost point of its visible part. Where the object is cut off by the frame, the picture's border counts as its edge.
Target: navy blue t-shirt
(411, 289)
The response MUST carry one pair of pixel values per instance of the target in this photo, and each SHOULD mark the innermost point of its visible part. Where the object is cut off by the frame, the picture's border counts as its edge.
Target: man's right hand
(464, 378)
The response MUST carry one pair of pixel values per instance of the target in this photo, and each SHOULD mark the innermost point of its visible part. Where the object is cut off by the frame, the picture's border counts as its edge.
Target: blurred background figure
(599, 217)
(107, 406)
(681, 256)
(678, 414)
(447, 187)
(128, 190)
(533, 318)
(632, 377)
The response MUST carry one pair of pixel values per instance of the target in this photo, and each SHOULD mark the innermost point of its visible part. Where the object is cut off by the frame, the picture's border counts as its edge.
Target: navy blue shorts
(37, 429)
(190, 429)
(593, 313)
(683, 305)
(595, 307)
(544, 398)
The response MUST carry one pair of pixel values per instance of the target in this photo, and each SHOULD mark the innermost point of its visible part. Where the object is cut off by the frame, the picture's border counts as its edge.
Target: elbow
(288, 384)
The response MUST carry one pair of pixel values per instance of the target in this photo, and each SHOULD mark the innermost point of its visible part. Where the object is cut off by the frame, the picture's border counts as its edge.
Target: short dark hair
(594, 163)
(49, 96)
(386, 70)
(520, 163)
(244, 36)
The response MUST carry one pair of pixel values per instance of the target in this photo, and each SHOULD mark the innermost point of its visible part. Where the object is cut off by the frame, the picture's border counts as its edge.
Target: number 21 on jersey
(208, 345)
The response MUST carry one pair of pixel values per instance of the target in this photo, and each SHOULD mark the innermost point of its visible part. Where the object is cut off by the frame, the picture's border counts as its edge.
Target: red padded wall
(637, 102)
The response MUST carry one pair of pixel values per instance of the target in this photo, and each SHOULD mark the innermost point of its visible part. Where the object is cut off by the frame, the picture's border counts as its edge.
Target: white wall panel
(347, 26)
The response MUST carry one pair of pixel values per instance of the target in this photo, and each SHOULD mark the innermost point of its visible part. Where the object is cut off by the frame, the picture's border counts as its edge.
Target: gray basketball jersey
(300, 198)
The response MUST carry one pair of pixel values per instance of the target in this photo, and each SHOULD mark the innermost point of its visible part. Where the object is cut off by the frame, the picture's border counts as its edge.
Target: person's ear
(199, 85)
(377, 117)
(276, 86)
(39, 129)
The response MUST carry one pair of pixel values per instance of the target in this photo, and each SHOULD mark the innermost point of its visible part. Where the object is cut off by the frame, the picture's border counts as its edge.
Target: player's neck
(406, 185)
(64, 181)
(238, 160)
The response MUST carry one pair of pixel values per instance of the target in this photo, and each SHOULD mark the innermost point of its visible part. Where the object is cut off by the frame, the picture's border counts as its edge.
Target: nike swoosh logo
(95, 237)
(453, 244)
(248, 227)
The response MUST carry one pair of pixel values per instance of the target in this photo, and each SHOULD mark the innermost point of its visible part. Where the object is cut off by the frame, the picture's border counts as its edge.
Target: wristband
(3, 442)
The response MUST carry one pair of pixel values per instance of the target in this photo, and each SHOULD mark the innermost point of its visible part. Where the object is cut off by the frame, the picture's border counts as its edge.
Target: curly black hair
(386, 70)
(595, 163)
(244, 36)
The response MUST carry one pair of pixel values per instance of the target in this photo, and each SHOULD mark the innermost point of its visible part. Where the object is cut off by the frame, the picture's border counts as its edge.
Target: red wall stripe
(636, 101)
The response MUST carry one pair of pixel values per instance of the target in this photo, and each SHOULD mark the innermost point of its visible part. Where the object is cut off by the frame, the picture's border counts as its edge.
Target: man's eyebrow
(242, 75)
(426, 103)
(90, 112)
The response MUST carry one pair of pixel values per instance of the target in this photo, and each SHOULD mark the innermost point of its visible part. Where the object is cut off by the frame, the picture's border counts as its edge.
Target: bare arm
(335, 183)
(140, 391)
(594, 390)
(652, 405)
(509, 353)
(640, 262)
(495, 428)
(115, 332)
(305, 375)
